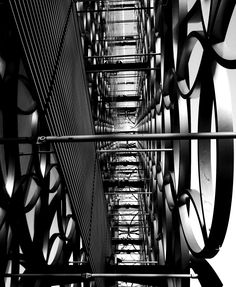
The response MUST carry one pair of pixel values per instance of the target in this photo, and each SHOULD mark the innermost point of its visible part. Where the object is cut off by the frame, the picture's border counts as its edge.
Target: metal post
(144, 227)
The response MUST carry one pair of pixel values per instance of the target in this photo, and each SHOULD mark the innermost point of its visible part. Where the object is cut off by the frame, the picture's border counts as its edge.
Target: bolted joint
(41, 140)
(86, 276)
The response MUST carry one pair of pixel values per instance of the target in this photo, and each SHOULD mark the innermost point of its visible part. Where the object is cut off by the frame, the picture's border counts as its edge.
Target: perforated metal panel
(48, 31)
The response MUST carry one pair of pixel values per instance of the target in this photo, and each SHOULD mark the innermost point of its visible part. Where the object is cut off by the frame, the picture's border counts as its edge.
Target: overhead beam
(125, 241)
(128, 226)
(115, 9)
(96, 275)
(124, 163)
(121, 56)
(116, 107)
(127, 137)
(117, 67)
(126, 206)
(143, 269)
(120, 38)
(134, 150)
(121, 91)
(128, 109)
(123, 21)
(124, 183)
(125, 76)
(132, 213)
(128, 192)
(128, 250)
(121, 137)
(124, 43)
(139, 261)
(122, 99)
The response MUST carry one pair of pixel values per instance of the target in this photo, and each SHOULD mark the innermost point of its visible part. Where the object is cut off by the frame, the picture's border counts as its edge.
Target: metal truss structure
(116, 141)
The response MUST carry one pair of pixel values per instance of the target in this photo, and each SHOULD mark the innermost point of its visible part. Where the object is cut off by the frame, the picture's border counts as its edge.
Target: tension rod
(95, 70)
(134, 150)
(121, 56)
(138, 261)
(100, 275)
(120, 137)
(115, 9)
(128, 192)
(131, 137)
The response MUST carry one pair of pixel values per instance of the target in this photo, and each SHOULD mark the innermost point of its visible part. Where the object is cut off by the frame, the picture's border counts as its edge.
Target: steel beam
(127, 170)
(139, 261)
(125, 241)
(122, 91)
(124, 221)
(119, 99)
(117, 40)
(123, 21)
(126, 137)
(114, 107)
(117, 67)
(125, 76)
(114, 9)
(127, 154)
(121, 56)
(124, 43)
(128, 109)
(96, 275)
(135, 150)
(38, 152)
(124, 83)
(126, 206)
(124, 183)
(124, 163)
(118, 225)
(126, 214)
(120, 38)
(95, 69)
(120, 137)
(127, 192)
(128, 251)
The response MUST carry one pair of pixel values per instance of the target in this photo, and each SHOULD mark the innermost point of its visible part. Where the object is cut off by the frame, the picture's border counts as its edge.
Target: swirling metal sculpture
(192, 188)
